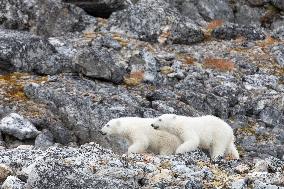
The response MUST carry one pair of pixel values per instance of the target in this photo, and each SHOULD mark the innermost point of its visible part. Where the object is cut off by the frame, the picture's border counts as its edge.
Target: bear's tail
(232, 150)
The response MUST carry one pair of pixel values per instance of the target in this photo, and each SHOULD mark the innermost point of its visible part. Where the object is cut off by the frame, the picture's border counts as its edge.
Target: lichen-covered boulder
(163, 23)
(17, 126)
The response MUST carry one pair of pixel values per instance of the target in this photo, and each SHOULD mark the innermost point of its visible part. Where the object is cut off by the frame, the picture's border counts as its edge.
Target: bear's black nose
(102, 133)
(154, 126)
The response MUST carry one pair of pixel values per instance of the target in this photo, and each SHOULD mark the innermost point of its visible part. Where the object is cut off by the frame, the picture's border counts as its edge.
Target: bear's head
(165, 122)
(111, 128)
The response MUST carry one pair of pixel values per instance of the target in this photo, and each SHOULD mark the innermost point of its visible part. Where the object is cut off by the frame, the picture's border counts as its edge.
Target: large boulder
(232, 31)
(23, 51)
(155, 21)
(100, 63)
(54, 18)
(49, 18)
(17, 126)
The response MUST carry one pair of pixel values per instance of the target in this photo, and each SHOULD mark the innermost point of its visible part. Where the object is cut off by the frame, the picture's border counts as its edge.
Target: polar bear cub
(207, 132)
(141, 136)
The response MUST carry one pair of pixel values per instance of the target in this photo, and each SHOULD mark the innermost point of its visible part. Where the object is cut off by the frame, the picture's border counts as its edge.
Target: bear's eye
(160, 119)
(107, 125)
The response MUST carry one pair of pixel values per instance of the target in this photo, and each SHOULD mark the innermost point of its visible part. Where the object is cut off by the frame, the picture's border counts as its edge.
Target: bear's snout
(102, 133)
(154, 126)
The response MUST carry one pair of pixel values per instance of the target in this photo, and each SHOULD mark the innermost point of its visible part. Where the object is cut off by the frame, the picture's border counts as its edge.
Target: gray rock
(258, 3)
(188, 9)
(232, 31)
(270, 116)
(246, 15)
(16, 125)
(101, 8)
(150, 72)
(159, 23)
(278, 3)
(84, 115)
(54, 18)
(23, 51)
(99, 63)
(37, 17)
(13, 182)
(44, 139)
(17, 14)
(278, 33)
(215, 9)
(278, 53)
(193, 184)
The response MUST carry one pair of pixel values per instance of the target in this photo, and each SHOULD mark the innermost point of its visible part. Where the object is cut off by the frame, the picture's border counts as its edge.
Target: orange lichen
(189, 60)
(123, 42)
(12, 85)
(134, 78)
(219, 64)
(267, 42)
(215, 24)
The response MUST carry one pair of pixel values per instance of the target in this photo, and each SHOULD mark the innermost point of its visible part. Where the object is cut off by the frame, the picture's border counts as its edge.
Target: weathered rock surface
(26, 52)
(48, 18)
(91, 165)
(162, 22)
(232, 31)
(100, 63)
(17, 126)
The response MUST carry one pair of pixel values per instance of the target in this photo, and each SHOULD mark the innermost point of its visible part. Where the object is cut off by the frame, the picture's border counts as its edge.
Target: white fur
(207, 132)
(142, 136)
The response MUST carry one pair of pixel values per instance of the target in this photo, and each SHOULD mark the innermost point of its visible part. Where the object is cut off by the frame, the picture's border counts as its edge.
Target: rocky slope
(66, 71)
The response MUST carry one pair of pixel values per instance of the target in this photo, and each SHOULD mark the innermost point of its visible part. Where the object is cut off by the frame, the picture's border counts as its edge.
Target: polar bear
(207, 132)
(141, 136)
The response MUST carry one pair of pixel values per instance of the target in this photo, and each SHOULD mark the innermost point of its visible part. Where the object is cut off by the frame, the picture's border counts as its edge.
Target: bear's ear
(174, 117)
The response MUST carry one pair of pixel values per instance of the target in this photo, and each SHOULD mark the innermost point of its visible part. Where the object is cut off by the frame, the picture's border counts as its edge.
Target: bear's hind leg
(232, 150)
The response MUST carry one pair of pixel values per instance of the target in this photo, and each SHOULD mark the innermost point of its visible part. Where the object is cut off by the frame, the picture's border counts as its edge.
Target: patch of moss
(12, 85)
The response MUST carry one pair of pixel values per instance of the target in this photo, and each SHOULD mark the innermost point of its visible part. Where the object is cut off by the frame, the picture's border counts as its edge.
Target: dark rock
(44, 139)
(101, 8)
(278, 3)
(49, 18)
(232, 31)
(258, 2)
(100, 63)
(215, 9)
(23, 51)
(165, 23)
(16, 125)
(55, 18)
(84, 115)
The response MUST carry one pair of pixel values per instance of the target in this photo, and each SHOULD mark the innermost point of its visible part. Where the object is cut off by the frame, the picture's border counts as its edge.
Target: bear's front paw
(180, 151)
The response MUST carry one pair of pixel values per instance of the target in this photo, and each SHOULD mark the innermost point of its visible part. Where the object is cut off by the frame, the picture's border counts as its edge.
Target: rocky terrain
(67, 67)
